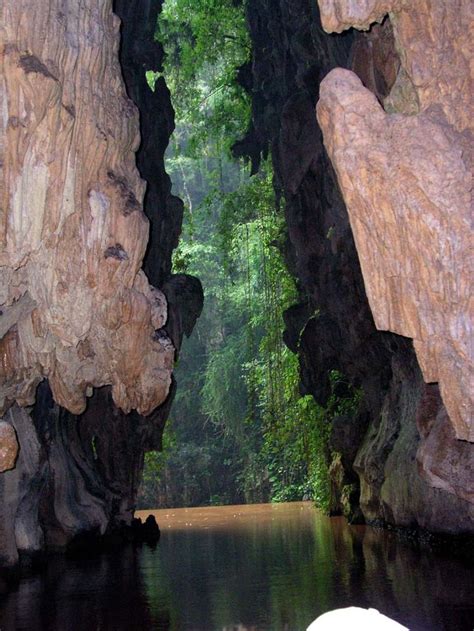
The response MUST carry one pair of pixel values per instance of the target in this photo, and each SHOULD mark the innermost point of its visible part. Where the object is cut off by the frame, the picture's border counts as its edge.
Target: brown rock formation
(407, 184)
(76, 307)
(8, 446)
(382, 447)
(76, 476)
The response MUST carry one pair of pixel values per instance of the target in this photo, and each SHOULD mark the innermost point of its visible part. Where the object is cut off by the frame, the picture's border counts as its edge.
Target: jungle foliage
(240, 431)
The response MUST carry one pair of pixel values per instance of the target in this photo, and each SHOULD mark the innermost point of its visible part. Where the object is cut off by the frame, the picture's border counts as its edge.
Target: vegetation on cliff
(240, 431)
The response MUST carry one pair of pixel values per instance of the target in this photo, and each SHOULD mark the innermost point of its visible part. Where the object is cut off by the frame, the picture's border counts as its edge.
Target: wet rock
(20, 490)
(345, 440)
(345, 491)
(443, 461)
(148, 532)
(76, 477)
(346, 436)
(393, 489)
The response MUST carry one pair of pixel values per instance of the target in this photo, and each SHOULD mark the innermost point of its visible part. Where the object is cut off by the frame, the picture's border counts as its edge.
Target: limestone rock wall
(405, 171)
(76, 307)
(397, 453)
(76, 476)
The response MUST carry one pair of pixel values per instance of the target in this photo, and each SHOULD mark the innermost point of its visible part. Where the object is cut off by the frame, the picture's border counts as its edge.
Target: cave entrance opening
(240, 429)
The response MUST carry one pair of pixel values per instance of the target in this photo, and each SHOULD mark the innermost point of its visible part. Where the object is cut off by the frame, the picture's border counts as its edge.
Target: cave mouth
(296, 461)
(242, 428)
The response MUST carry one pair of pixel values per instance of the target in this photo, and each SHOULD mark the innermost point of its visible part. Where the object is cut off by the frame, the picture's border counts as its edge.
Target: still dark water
(241, 568)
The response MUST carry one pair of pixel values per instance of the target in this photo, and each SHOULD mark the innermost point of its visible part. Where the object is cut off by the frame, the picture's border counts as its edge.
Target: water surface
(256, 568)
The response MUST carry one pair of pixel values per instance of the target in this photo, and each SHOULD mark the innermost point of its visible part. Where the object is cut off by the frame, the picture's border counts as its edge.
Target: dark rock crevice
(139, 52)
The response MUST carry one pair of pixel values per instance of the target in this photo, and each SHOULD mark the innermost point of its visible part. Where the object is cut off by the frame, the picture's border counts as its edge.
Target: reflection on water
(246, 568)
(279, 566)
(101, 593)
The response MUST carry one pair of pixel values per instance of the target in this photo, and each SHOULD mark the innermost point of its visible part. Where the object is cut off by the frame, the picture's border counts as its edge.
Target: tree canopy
(205, 43)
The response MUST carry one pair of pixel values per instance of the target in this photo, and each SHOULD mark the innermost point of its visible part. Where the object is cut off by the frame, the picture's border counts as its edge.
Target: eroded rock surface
(381, 448)
(139, 51)
(8, 446)
(407, 183)
(443, 461)
(76, 476)
(394, 486)
(76, 306)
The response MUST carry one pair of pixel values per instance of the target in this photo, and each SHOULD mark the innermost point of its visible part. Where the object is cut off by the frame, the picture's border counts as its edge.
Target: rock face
(140, 52)
(76, 476)
(407, 183)
(76, 307)
(8, 446)
(392, 450)
(395, 488)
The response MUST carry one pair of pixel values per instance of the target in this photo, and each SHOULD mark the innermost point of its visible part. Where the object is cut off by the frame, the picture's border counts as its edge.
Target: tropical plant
(241, 431)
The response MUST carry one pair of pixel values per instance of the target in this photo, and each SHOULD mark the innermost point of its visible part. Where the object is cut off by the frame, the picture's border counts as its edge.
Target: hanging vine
(241, 430)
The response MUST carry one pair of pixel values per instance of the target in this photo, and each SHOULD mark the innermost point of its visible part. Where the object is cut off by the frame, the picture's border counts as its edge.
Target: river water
(245, 568)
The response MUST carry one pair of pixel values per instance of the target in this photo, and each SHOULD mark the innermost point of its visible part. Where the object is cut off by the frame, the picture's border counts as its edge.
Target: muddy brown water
(246, 568)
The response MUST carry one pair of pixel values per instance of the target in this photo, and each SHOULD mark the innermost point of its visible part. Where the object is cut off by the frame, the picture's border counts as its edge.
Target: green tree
(206, 41)
(240, 430)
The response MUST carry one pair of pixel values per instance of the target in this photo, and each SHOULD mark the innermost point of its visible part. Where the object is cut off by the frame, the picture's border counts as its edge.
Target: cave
(363, 111)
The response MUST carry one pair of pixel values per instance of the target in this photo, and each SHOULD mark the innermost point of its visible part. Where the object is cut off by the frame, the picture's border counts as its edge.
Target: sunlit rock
(75, 306)
(407, 180)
